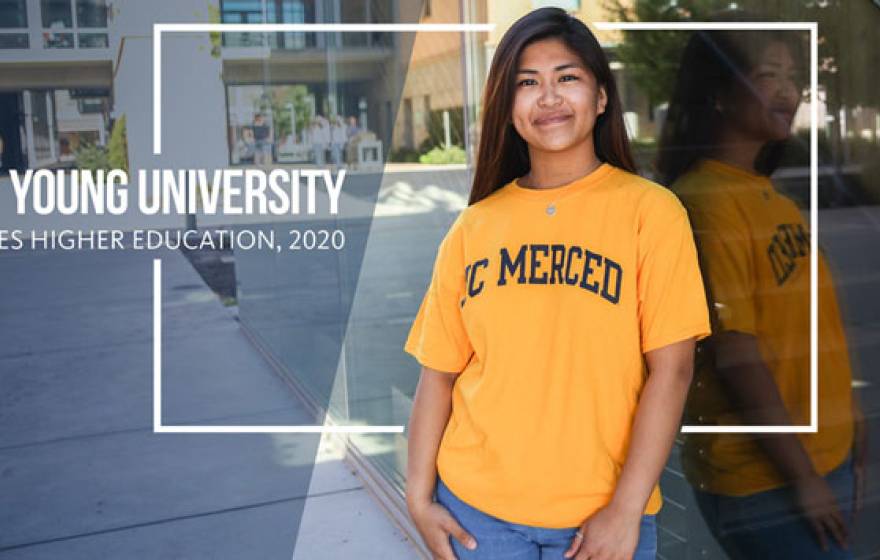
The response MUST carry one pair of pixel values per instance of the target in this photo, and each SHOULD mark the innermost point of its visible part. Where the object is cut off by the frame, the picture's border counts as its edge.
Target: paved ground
(82, 474)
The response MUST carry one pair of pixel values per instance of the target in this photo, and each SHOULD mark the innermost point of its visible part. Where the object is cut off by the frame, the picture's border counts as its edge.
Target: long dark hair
(503, 155)
(714, 64)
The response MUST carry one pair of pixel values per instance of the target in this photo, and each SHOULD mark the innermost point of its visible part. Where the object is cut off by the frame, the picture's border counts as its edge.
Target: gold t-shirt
(544, 300)
(755, 252)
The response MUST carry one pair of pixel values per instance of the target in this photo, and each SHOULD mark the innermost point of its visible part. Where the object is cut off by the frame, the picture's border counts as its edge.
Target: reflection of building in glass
(434, 85)
(435, 81)
(55, 79)
(67, 61)
(299, 80)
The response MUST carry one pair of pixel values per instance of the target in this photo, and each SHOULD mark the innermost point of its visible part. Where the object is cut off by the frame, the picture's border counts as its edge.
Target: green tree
(282, 97)
(651, 57)
(92, 157)
(844, 63)
(117, 148)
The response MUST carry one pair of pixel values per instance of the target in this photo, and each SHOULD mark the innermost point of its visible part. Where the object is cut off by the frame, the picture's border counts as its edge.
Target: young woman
(784, 495)
(557, 334)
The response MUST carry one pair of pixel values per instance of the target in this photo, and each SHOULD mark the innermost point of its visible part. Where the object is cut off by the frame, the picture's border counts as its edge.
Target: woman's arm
(613, 531)
(754, 393)
(657, 421)
(432, 405)
(430, 414)
(753, 390)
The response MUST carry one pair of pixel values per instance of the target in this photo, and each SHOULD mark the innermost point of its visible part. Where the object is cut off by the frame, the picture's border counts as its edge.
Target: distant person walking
(319, 136)
(262, 142)
(337, 139)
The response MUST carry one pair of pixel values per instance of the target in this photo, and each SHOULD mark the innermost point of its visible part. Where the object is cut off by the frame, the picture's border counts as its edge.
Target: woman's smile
(551, 119)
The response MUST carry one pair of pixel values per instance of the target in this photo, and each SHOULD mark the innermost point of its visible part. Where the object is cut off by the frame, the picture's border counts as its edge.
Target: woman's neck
(737, 149)
(554, 169)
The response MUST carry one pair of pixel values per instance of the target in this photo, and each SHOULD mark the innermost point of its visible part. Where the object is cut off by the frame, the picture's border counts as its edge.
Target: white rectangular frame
(812, 27)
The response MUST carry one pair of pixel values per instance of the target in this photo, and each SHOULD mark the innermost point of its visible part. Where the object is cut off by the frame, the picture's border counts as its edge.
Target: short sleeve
(438, 338)
(725, 248)
(672, 298)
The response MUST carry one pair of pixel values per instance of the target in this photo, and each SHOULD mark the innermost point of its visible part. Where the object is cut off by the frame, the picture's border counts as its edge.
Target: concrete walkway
(82, 475)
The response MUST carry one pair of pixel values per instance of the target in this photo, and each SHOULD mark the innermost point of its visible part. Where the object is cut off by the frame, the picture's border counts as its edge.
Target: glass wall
(335, 319)
(354, 308)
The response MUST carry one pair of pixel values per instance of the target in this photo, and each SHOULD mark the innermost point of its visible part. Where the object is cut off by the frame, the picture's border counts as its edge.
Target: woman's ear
(601, 101)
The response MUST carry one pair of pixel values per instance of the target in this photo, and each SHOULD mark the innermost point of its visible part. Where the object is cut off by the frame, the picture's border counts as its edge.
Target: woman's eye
(568, 78)
(526, 82)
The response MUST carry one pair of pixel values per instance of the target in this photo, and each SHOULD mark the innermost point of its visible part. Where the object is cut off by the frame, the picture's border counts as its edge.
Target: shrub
(453, 154)
(404, 155)
(118, 146)
(92, 157)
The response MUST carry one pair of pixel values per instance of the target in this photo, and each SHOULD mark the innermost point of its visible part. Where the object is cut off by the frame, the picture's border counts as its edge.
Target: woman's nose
(549, 96)
(788, 88)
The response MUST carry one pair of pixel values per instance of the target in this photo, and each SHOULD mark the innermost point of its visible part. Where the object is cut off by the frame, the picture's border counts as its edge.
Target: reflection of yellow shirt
(545, 300)
(755, 253)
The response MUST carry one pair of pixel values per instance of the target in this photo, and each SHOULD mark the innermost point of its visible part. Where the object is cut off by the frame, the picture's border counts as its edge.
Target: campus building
(71, 67)
(56, 77)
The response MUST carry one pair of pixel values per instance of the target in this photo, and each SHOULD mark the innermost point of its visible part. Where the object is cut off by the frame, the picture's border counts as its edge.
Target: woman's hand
(820, 508)
(436, 525)
(609, 534)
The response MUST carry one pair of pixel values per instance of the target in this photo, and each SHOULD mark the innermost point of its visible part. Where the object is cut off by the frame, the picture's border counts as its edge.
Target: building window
(93, 41)
(242, 11)
(60, 28)
(55, 40)
(13, 14)
(91, 13)
(57, 14)
(291, 11)
(14, 41)
(269, 11)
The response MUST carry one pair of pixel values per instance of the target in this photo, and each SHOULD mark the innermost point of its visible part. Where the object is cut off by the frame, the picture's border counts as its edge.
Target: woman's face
(767, 108)
(556, 100)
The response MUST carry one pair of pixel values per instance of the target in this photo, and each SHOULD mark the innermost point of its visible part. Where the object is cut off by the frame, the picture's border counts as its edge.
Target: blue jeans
(767, 525)
(497, 539)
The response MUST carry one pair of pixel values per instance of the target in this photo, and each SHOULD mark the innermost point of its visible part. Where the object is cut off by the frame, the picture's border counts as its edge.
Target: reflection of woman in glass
(557, 333)
(768, 496)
